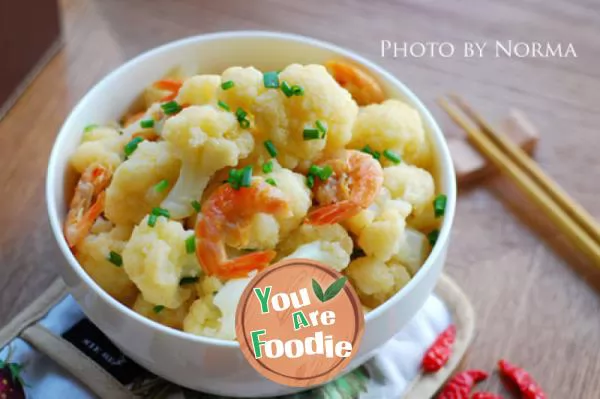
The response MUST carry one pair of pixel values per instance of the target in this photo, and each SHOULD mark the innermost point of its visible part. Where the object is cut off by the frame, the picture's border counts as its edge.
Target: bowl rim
(445, 166)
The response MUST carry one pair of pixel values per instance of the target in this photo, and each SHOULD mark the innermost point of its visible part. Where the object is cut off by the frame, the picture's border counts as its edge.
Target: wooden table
(536, 306)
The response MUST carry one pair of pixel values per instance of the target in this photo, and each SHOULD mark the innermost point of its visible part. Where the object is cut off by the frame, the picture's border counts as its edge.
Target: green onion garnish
(297, 90)
(322, 128)
(89, 128)
(271, 148)
(147, 123)
(188, 280)
(190, 244)
(246, 177)
(439, 205)
(271, 181)
(267, 167)
(223, 105)
(326, 172)
(227, 85)
(433, 236)
(152, 220)
(161, 212)
(161, 186)
(158, 308)
(115, 258)
(234, 178)
(286, 89)
(271, 80)
(196, 206)
(310, 181)
(244, 123)
(314, 170)
(132, 146)
(392, 156)
(311, 134)
(240, 114)
(367, 149)
(171, 107)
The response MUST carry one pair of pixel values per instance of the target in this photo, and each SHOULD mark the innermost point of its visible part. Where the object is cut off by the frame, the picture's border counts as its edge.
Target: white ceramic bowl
(201, 363)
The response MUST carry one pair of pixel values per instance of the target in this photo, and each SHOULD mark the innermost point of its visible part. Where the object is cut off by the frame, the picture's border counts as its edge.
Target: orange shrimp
(356, 180)
(228, 212)
(84, 211)
(364, 88)
(170, 85)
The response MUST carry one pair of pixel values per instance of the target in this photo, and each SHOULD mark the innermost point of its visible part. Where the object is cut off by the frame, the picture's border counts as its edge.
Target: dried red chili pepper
(485, 395)
(528, 387)
(439, 352)
(461, 384)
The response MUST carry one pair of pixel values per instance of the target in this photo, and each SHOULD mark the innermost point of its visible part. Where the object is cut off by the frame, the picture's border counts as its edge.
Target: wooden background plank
(536, 299)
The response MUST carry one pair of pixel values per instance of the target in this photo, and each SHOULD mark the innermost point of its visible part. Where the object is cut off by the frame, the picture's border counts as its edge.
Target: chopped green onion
(196, 206)
(297, 90)
(367, 149)
(171, 107)
(322, 128)
(433, 236)
(132, 146)
(115, 258)
(439, 205)
(89, 128)
(147, 123)
(271, 148)
(227, 85)
(190, 244)
(188, 280)
(152, 220)
(246, 177)
(267, 167)
(325, 173)
(223, 105)
(311, 134)
(240, 114)
(286, 89)
(161, 186)
(234, 178)
(161, 212)
(158, 308)
(271, 181)
(271, 80)
(310, 181)
(314, 170)
(392, 156)
(244, 123)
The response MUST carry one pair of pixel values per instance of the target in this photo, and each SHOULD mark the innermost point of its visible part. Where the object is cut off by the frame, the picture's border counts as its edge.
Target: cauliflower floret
(382, 238)
(283, 120)
(93, 252)
(155, 259)
(206, 139)
(131, 194)
(365, 217)
(392, 125)
(208, 285)
(413, 250)
(415, 186)
(169, 317)
(199, 90)
(328, 244)
(101, 145)
(247, 86)
(215, 316)
(375, 280)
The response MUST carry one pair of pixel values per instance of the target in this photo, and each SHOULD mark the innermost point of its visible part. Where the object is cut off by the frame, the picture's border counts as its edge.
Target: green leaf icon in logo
(330, 292)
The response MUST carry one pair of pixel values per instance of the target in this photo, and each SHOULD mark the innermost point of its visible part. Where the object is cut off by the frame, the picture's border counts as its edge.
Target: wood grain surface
(537, 301)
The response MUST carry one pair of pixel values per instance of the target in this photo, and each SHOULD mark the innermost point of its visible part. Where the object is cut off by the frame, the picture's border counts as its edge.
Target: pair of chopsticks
(570, 217)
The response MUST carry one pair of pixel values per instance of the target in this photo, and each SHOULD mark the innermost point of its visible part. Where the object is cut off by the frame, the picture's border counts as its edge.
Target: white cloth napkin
(391, 371)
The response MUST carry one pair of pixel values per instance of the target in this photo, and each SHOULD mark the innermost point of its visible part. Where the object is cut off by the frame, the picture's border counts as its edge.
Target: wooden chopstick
(523, 160)
(573, 231)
